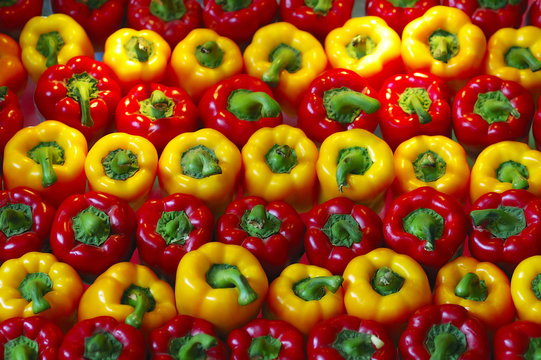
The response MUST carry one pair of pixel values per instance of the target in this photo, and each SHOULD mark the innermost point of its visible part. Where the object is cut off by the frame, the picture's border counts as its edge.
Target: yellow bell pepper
(203, 163)
(223, 284)
(51, 40)
(506, 165)
(202, 59)
(130, 293)
(366, 45)
(280, 165)
(303, 295)
(136, 56)
(355, 164)
(123, 165)
(434, 161)
(287, 59)
(526, 289)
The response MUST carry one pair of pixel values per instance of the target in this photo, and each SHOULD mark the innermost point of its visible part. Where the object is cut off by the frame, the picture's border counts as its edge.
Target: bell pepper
(238, 19)
(303, 295)
(48, 158)
(414, 104)
(525, 288)
(186, 337)
(534, 15)
(38, 284)
(92, 232)
(11, 116)
(122, 165)
(12, 72)
(30, 338)
(168, 228)
(385, 286)
(272, 231)
(398, 13)
(506, 165)
(266, 339)
(517, 340)
(130, 293)
(136, 56)
(15, 13)
(239, 106)
(355, 164)
(339, 230)
(202, 59)
(51, 40)
(366, 45)
(348, 337)
(156, 112)
(172, 19)
(445, 43)
(223, 284)
(444, 332)
(435, 161)
(482, 288)
(536, 126)
(280, 165)
(287, 59)
(337, 100)
(203, 163)
(83, 94)
(25, 222)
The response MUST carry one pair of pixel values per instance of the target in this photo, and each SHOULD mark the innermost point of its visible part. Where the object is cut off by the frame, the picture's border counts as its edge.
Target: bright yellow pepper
(224, 284)
(355, 164)
(123, 165)
(506, 165)
(51, 40)
(280, 165)
(434, 161)
(202, 59)
(526, 289)
(287, 59)
(130, 293)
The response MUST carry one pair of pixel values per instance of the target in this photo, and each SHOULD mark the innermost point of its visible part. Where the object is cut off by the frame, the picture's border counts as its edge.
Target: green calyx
(21, 348)
(445, 342)
(281, 159)
(233, 5)
(83, 88)
(426, 224)
(429, 166)
(342, 230)
(416, 101)
(139, 49)
(264, 348)
(354, 345)
(443, 45)
(209, 54)
(3, 92)
(15, 219)
(403, 3)
(168, 10)
(192, 347)
(471, 288)
(360, 46)
(4, 3)
(175, 227)
(222, 276)
(102, 346)
(120, 164)
(282, 57)
(494, 106)
(315, 288)
(33, 287)
(353, 160)
(534, 349)
(260, 223)
(536, 286)
(141, 300)
(503, 222)
(252, 105)
(199, 162)
(93, 4)
(522, 58)
(157, 106)
(492, 4)
(49, 45)
(344, 105)
(47, 154)
(515, 173)
(320, 7)
(91, 226)
(386, 282)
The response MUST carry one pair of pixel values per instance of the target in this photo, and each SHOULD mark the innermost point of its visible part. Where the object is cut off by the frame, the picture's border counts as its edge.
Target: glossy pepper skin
(12, 74)
(536, 126)
(535, 13)
(15, 14)
(169, 228)
(156, 112)
(83, 94)
(525, 288)
(239, 106)
(444, 332)
(398, 13)
(11, 116)
(338, 100)
(417, 103)
(517, 340)
(339, 230)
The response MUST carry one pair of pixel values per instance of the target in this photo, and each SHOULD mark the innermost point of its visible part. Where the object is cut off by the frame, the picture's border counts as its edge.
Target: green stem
(225, 276)
(264, 348)
(514, 173)
(354, 160)
(522, 58)
(471, 288)
(425, 224)
(15, 219)
(360, 46)
(51, 45)
(141, 300)
(209, 54)
(168, 10)
(281, 159)
(345, 232)
(139, 48)
(174, 226)
(443, 45)
(102, 346)
(157, 106)
(503, 222)
(47, 154)
(233, 5)
(424, 116)
(199, 162)
(387, 282)
(37, 289)
(495, 106)
(445, 346)
(283, 57)
(314, 288)
(534, 349)
(347, 101)
(21, 348)
(429, 166)
(85, 90)
(194, 348)
(321, 7)
(252, 106)
(121, 163)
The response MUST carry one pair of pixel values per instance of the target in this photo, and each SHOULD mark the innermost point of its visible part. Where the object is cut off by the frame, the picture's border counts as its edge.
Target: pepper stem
(226, 276)
(284, 57)
(470, 287)
(199, 162)
(445, 345)
(264, 348)
(344, 229)
(355, 160)
(252, 106)
(15, 219)
(314, 288)
(47, 154)
(281, 159)
(22, 352)
(347, 101)
(157, 106)
(522, 58)
(209, 54)
(84, 89)
(386, 281)
(424, 116)
(197, 344)
(425, 224)
(233, 5)
(121, 163)
(502, 222)
(494, 106)
(52, 50)
(102, 345)
(139, 48)
(443, 45)
(168, 10)
(360, 46)
(141, 300)
(36, 290)
(319, 6)
(514, 173)
(534, 349)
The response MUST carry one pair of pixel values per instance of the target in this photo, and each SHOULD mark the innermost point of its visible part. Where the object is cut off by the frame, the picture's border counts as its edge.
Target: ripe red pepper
(157, 113)
(102, 337)
(440, 332)
(338, 230)
(11, 116)
(398, 13)
(337, 100)
(272, 231)
(535, 13)
(82, 94)
(15, 13)
(536, 125)
(93, 231)
(168, 228)
(414, 104)
(184, 335)
(518, 340)
(266, 339)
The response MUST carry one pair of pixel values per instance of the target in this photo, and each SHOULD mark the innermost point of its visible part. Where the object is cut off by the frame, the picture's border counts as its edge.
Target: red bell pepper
(15, 13)
(518, 340)
(103, 337)
(536, 125)
(272, 231)
(535, 13)
(170, 227)
(337, 100)
(414, 104)
(183, 337)
(13, 73)
(157, 113)
(348, 337)
(33, 337)
(82, 94)
(172, 19)
(338, 230)
(489, 110)
(398, 13)
(11, 116)
(93, 231)
(427, 225)
(440, 332)
(266, 339)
